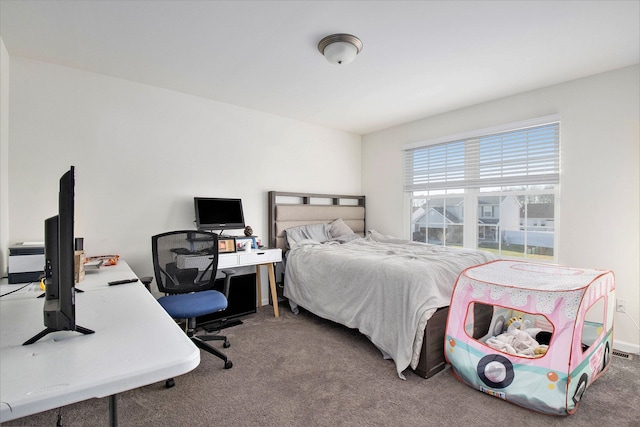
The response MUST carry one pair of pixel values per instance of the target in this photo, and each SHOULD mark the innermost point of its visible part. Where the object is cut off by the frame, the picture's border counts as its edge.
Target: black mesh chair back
(185, 264)
(185, 261)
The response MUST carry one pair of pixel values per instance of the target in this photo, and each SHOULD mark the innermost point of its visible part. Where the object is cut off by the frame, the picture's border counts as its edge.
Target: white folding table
(136, 343)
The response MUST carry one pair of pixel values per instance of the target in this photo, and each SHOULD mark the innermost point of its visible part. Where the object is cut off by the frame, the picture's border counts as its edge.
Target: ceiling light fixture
(340, 48)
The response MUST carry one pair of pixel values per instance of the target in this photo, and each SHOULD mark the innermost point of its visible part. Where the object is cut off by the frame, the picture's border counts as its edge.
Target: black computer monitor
(59, 300)
(218, 213)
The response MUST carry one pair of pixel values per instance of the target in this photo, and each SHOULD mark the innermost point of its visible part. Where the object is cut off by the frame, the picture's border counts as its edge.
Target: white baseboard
(626, 347)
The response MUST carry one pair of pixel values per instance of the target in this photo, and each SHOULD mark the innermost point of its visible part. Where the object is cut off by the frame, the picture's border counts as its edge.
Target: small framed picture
(226, 245)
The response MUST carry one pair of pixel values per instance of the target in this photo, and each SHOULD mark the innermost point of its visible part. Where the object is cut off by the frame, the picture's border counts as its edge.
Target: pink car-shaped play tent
(535, 335)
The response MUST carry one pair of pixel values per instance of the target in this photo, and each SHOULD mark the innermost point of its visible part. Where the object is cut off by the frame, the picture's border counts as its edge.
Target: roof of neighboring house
(448, 215)
(488, 221)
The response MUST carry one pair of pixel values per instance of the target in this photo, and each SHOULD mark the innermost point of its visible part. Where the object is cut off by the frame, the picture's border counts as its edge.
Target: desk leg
(259, 285)
(274, 292)
(113, 411)
(272, 286)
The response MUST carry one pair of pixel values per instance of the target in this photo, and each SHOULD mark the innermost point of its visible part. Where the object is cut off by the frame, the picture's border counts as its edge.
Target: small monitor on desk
(218, 213)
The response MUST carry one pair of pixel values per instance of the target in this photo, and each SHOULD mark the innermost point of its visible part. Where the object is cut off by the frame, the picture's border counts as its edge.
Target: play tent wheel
(495, 371)
(582, 386)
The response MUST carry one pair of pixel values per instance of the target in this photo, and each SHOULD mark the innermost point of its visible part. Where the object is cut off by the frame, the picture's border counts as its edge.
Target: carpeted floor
(304, 371)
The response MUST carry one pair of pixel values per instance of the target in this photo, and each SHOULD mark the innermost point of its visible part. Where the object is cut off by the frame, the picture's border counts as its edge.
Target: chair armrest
(146, 281)
(227, 281)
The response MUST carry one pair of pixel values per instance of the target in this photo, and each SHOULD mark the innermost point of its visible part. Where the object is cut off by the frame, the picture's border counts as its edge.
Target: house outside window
(493, 189)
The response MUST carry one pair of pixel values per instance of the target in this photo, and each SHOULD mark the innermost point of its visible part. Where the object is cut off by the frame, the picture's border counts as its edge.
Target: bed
(394, 291)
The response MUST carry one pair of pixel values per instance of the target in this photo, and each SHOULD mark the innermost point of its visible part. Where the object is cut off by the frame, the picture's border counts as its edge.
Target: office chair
(185, 265)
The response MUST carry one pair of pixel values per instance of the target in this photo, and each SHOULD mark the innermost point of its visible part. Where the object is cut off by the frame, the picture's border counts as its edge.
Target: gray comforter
(385, 287)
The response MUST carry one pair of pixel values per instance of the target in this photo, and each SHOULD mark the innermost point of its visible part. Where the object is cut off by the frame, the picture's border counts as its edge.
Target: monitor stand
(49, 330)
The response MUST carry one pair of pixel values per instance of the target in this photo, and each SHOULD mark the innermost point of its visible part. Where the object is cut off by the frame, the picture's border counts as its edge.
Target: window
(493, 189)
(490, 325)
(593, 325)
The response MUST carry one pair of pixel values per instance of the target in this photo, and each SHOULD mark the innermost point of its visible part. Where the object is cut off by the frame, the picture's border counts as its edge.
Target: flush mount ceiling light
(340, 48)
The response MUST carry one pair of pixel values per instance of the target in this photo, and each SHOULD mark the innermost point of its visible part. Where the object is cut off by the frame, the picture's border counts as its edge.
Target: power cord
(632, 319)
(16, 290)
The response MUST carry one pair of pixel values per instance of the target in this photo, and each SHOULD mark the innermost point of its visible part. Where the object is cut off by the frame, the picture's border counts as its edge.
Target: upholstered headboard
(294, 209)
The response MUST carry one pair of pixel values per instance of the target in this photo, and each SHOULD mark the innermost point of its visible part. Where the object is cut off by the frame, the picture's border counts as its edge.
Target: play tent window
(593, 325)
(507, 330)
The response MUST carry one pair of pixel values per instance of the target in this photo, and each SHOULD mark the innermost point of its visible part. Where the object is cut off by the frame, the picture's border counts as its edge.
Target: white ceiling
(420, 58)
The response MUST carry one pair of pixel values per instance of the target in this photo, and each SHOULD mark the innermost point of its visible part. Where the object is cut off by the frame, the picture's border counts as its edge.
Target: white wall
(600, 177)
(142, 153)
(4, 156)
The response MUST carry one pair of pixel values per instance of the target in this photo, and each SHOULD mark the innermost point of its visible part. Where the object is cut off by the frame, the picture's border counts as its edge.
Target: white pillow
(339, 228)
(317, 232)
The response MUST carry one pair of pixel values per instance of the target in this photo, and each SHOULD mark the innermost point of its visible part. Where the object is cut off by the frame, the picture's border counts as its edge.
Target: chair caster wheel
(226, 344)
(228, 364)
(169, 383)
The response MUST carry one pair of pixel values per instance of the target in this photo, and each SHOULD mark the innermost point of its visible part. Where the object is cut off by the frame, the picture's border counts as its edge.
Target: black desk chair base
(199, 341)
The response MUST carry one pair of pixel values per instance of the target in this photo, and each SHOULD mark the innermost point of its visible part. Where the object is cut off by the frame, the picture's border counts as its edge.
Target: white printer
(26, 262)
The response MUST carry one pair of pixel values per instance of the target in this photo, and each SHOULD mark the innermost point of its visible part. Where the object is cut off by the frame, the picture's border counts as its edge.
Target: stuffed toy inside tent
(535, 335)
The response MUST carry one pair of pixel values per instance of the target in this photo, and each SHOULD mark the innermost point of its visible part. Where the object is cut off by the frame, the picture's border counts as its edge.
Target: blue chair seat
(186, 306)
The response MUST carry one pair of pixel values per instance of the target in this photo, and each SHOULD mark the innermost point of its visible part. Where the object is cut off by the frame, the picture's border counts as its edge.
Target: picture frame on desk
(226, 245)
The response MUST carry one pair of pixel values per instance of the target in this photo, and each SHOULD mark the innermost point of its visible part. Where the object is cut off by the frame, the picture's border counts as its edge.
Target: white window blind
(524, 156)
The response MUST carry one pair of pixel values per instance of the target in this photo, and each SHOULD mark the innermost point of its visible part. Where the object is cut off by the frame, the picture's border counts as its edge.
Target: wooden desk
(257, 257)
(135, 343)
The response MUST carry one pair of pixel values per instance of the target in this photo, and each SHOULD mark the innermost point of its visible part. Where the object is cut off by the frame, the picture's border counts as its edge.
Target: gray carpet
(304, 371)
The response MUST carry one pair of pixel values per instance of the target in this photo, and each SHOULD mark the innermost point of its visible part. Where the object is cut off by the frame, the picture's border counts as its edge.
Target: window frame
(472, 195)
